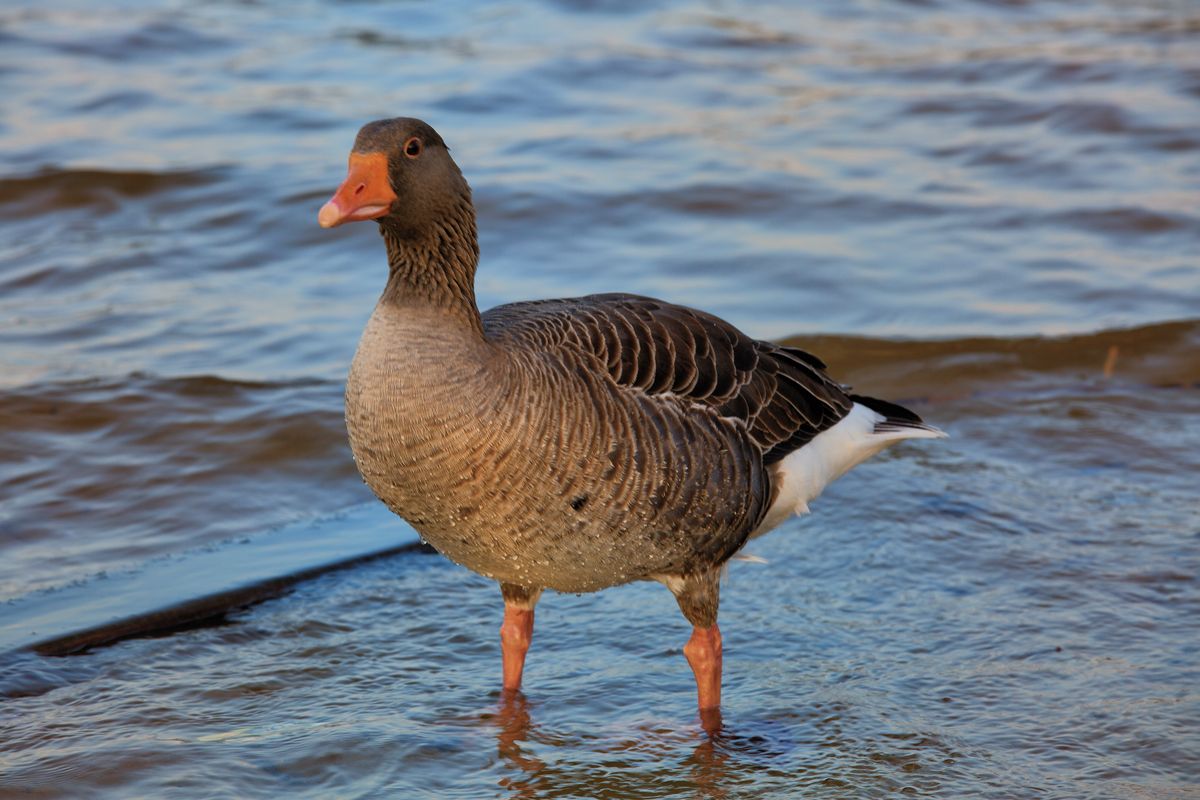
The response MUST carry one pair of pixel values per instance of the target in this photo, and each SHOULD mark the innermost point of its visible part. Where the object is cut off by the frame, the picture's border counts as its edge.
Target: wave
(56, 189)
(101, 473)
(1163, 355)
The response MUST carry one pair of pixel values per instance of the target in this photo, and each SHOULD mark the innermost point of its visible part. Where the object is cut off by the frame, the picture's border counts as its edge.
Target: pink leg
(703, 652)
(515, 635)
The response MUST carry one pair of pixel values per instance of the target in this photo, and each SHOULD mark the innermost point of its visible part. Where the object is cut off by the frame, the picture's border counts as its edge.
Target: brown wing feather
(783, 395)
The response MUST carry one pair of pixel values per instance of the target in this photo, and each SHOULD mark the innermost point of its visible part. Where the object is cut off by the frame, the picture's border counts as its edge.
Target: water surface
(986, 209)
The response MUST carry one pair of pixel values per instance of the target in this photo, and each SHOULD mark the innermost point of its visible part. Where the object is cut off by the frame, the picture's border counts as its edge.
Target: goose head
(400, 174)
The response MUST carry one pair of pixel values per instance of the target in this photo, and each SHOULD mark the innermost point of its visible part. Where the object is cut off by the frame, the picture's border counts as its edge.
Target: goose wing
(782, 395)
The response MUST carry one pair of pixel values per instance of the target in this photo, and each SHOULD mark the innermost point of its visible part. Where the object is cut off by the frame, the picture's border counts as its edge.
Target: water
(924, 191)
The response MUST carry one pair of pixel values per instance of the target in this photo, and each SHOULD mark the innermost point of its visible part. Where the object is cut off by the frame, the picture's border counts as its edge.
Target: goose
(575, 444)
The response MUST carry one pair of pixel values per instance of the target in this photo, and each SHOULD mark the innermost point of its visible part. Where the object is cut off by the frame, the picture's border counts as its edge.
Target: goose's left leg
(517, 630)
(699, 597)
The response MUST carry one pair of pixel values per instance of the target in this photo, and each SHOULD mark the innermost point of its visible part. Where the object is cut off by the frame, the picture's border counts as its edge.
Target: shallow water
(923, 191)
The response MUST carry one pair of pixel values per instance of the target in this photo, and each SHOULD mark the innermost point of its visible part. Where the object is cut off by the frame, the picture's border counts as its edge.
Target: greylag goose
(582, 443)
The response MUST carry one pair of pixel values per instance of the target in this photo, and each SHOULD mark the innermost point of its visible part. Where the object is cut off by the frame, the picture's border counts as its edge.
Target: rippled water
(923, 190)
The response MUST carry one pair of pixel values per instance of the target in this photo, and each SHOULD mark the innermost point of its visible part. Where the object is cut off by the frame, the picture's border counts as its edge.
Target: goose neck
(435, 272)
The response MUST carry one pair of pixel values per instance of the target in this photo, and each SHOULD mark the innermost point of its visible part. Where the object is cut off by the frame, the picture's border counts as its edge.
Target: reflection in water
(706, 767)
(708, 763)
(727, 751)
(514, 726)
(710, 758)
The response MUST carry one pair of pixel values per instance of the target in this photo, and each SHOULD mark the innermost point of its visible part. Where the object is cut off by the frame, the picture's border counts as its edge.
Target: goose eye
(413, 148)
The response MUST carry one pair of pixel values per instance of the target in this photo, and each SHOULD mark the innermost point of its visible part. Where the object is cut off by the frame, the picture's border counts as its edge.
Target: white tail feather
(804, 473)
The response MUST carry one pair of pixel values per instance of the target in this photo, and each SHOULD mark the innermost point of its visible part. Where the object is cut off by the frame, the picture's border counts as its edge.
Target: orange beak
(365, 194)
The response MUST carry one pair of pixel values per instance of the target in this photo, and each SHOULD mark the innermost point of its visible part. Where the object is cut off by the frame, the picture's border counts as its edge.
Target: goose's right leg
(517, 631)
(699, 597)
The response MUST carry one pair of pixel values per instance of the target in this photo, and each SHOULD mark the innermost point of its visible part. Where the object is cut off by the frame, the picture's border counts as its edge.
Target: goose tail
(898, 422)
(803, 474)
